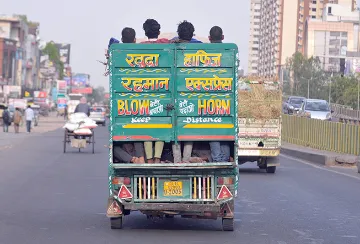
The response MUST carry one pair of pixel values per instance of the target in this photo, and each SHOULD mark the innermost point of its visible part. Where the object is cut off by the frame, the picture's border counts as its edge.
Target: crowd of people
(158, 151)
(17, 119)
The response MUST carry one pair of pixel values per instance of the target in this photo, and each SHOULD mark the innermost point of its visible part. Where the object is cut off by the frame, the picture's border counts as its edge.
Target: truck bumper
(181, 207)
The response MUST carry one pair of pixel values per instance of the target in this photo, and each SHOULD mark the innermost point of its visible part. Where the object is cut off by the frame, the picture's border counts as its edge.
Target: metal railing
(345, 113)
(322, 135)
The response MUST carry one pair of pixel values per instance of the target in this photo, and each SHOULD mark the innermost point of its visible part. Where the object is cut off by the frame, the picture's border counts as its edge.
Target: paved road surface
(50, 197)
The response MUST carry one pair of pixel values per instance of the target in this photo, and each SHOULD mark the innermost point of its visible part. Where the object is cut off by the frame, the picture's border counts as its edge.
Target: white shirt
(29, 114)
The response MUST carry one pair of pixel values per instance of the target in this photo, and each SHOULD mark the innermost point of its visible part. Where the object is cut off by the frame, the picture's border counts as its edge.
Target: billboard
(85, 90)
(78, 80)
(40, 97)
(64, 52)
(12, 91)
(61, 102)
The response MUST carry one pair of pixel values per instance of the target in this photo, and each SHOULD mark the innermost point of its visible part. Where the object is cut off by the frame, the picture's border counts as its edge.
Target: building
(254, 40)
(13, 28)
(333, 36)
(278, 37)
(7, 61)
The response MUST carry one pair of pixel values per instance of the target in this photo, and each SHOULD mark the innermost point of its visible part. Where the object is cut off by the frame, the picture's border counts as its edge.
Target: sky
(88, 25)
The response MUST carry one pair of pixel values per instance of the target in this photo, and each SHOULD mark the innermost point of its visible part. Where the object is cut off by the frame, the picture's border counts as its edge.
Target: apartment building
(334, 36)
(254, 40)
(282, 30)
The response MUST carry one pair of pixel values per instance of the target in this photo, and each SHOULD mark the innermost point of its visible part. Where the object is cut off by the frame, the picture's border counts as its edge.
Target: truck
(259, 121)
(176, 94)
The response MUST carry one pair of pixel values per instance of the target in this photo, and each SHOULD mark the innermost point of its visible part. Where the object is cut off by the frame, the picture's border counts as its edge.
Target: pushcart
(78, 141)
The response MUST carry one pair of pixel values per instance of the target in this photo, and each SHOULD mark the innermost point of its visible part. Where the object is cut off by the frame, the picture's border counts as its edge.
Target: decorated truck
(259, 118)
(173, 95)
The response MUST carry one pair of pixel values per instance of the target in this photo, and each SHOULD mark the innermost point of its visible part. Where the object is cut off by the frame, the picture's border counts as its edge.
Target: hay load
(259, 98)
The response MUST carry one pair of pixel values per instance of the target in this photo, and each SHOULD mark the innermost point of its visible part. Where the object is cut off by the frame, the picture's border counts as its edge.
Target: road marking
(319, 167)
(349, 236)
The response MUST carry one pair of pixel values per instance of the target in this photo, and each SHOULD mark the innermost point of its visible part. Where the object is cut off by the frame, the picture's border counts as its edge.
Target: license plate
(173, 188)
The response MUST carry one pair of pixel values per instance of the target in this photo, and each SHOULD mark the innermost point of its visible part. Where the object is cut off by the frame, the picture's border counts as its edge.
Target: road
(50, 197)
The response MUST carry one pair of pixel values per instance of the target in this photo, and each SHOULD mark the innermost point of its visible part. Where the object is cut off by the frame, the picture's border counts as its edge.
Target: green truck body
(173, 93)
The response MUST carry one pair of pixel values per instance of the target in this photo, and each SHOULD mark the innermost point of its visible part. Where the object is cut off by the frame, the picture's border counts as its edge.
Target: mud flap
(227, 210)
(114, 209)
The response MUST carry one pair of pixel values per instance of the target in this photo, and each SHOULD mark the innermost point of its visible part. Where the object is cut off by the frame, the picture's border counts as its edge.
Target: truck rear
(173, 93)
(260, 106)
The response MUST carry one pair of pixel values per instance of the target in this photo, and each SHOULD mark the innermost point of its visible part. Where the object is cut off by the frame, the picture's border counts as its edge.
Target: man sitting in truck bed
(152, 32)
(220, 151)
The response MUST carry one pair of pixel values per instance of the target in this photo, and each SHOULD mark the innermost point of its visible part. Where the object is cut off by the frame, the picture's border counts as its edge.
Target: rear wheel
(65, 140)
(104, 123)
(116, 223)
(271, 169)
(228, 224)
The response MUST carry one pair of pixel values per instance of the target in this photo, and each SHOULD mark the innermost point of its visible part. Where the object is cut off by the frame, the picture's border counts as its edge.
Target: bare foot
(141, 160)
(134, 160)
(157, 160)
(231, 159)
(150, 161)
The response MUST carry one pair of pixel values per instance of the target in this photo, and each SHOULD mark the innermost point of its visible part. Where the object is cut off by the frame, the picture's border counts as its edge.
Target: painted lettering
(209, 84)
(185, 107)
(142, 60)
(213, 106)
(196, 120)
(141, 84)
(201, 57)
(140, 120)
(133, 107)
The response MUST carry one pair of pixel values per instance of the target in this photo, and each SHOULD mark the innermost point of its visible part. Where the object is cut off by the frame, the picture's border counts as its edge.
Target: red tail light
(121, 180)
(225, 180)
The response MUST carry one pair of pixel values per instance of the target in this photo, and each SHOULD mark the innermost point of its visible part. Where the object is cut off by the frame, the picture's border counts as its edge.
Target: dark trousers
(125, 154)
(28, 126)
(6, 127)
(220, 151)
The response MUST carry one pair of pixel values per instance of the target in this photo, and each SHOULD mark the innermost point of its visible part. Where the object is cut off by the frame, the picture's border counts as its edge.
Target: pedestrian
(17, 120)
(65, 112)
(6, 119)
(29, 115)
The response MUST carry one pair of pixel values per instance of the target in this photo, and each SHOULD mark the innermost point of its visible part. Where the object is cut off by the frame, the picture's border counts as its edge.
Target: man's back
(83, 108)
(29, 113)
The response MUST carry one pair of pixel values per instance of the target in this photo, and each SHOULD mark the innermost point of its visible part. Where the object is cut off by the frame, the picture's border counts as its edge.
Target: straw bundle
(259, 102)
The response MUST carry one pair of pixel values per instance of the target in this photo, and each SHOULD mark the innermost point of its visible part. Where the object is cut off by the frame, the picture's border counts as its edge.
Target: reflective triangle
(224, 193)
(124, 193)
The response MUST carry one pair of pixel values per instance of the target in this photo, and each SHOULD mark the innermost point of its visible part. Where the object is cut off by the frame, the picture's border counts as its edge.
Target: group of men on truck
(137, 152)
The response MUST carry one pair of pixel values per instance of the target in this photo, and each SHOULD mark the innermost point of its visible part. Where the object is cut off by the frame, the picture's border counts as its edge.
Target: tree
(344, 91)
(305, 74)
(98, 95)
(53, 52)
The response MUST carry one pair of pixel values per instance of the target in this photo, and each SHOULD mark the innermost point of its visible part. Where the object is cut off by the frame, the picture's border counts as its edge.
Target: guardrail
(322, 135)
(345, 114)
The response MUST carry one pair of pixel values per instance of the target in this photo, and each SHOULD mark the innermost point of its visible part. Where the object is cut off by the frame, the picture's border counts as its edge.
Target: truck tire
(271, 169)
(228, 224)
(116, 223)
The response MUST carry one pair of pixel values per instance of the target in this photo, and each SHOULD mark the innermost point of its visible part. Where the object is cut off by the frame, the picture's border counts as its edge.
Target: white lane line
(319, 167)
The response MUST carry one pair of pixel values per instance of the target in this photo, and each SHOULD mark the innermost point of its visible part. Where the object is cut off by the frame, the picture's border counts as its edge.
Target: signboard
(64, 52)
(61, 86)
(78, 80)
(85, 90)
(40, 97)
(12, 91)
(61, 102)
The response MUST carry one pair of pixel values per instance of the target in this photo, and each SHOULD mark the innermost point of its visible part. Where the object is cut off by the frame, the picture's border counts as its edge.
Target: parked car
(315, 109)
(98, 115)
(292, 105)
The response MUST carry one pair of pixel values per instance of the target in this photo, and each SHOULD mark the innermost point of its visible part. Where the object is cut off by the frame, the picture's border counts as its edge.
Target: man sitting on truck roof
(152, 32)
(216, 35)
(128, 35)
(185, 33)
(220, 151)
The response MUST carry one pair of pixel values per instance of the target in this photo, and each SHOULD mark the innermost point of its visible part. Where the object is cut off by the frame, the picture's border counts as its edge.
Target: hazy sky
(88, 25)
